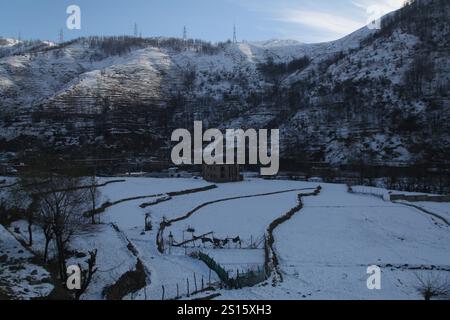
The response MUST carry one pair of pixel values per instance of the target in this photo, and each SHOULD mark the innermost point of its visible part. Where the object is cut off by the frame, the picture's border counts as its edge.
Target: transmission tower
(136, 31)
(234, 34)
(184, 33)
(61, 36)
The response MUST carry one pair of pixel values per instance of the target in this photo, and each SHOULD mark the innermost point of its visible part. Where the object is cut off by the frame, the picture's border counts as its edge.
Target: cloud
(347, 21)
(325, 21)
(385, 6)
(374, 10)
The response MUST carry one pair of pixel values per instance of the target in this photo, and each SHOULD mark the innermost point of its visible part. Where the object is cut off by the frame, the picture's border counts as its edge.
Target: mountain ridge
(375, 97)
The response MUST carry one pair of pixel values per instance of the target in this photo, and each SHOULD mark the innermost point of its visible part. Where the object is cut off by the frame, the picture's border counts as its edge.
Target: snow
(242, 217)
(78, 76)
(135, 187)
(166, 270)
(233, 260)
(324, 250)
(378, 192)
(440, 208)
(20, 278)
(113, 257)
(170, 270)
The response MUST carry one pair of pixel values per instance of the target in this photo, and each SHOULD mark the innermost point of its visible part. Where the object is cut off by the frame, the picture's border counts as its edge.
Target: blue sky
(303, 20)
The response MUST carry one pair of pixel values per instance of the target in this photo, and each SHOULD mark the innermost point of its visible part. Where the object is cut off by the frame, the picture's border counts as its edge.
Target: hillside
(373, 97)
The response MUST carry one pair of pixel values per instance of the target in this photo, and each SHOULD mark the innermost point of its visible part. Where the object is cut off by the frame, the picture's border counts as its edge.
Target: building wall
(222, 173)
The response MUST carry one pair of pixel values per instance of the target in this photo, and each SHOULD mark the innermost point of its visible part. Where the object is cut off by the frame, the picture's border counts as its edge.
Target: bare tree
(60, 200)
(94, 195)
(433, 285)
(189, 77)
(64, 208)
(87, 274)
(420, 73)
(44, 221)
(3, 211)
(30, 215)
(24, 206)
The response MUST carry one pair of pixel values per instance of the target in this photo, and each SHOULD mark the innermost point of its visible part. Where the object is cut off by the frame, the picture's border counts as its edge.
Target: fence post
(195, 283)
(163, 293)
(184, 245)
(209, 278)
(187, 281)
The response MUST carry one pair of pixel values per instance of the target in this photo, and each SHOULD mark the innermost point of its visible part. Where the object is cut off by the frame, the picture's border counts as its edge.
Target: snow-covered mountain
(14, 47)
(375, 96)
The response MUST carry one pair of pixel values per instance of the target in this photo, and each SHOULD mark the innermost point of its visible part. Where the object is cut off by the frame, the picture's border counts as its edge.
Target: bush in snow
(432, 285)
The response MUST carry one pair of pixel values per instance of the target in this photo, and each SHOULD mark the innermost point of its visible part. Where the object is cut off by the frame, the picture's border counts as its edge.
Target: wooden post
(195, 282)
(170, 242)
(163, 293)
(184, 245)
(187, 282)
(238, 281)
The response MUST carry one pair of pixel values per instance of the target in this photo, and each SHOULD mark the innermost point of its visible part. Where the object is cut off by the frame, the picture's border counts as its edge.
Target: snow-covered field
(20, 278)
(242, 218)
(442, 209)
(324, 250)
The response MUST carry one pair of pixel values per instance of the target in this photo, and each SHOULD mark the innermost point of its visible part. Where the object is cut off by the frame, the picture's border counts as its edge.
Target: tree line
(55, 197)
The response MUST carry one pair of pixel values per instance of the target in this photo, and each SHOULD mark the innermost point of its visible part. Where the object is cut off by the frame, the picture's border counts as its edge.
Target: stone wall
(419, 198)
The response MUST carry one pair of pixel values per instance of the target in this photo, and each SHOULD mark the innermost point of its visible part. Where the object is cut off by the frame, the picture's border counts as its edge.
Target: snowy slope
(372, 96)
(20, 278)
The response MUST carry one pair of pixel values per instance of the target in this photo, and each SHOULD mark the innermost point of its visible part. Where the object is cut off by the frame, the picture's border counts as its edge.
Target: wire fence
(210, 241)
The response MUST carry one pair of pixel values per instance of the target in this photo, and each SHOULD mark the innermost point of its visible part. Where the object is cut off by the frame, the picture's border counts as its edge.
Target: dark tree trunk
(61, 257)
(48, 238)
(88, 274)
(30, 234)
(93, 211)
